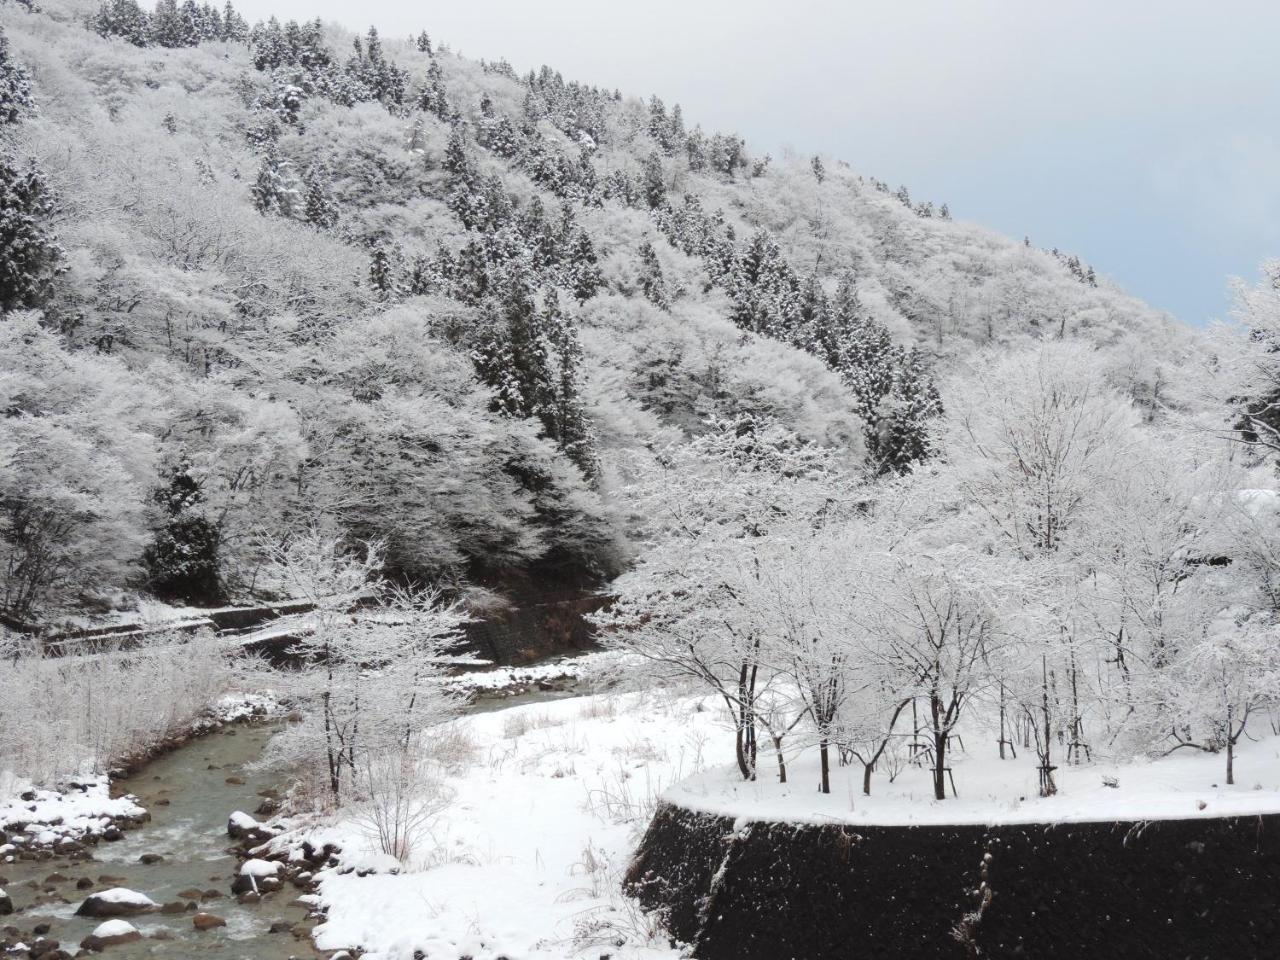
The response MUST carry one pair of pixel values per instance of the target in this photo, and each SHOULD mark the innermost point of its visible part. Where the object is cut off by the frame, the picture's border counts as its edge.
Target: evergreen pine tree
(122, 18)
(584, 270)
(564, 418)
(29, 252)
(819, 170)
(424, 43)
(655, 188)
(319, 207)
(276, 188)
(652, 282)
(234, 27)
(182, 559)
(382, 273)
(15, 87)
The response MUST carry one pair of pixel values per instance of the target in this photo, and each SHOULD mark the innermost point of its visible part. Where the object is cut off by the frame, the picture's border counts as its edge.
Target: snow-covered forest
(860, 492)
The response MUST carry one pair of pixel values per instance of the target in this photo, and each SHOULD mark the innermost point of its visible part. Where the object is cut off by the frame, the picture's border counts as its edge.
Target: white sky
(1143, 135)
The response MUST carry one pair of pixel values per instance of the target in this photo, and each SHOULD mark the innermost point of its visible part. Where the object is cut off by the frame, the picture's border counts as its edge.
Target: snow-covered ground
(527, 862)
(587, 669)
(993, 791)
(45, 818)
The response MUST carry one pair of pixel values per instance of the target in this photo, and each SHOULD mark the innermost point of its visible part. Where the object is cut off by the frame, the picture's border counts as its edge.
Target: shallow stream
(189, 793)
(190, 833)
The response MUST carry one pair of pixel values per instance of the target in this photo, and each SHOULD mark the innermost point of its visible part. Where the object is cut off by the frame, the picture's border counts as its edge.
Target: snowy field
(527, 862)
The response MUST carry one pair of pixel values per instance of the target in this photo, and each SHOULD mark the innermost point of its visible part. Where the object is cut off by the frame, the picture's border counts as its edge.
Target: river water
(190, 832)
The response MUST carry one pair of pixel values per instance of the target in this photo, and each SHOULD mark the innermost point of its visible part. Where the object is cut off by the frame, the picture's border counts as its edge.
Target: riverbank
(67, 818)
(181, 859)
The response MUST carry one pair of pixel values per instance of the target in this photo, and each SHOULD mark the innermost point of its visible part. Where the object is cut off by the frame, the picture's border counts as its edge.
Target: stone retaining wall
(1202, 889)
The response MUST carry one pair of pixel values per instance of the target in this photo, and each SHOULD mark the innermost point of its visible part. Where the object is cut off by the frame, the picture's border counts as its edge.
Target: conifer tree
(319, 207)
(564, 418)
(276, 188)
(382, 273)
(16, 101)
(121, 18)
(424, 43)
(182, 560)
(652, 282)
(29, 253)
(819, 169)
(655, 187)
(171, 26)
(234, 27)
(584, 270)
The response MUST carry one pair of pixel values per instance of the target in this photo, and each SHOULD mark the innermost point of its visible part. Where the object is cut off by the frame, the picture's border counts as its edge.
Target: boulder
(240, 825)
(6, 904)
(43, 947)
(116, 902)
(115, 932)
(207, 921)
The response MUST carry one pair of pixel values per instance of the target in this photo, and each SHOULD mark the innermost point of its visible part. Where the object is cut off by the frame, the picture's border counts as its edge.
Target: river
(190, 833)
(189, 793)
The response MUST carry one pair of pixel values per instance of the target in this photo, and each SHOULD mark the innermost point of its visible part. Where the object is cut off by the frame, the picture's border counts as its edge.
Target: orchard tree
(939, 616)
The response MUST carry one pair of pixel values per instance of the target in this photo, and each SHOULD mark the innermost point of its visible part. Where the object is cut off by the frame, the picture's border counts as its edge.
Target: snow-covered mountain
(301, 278)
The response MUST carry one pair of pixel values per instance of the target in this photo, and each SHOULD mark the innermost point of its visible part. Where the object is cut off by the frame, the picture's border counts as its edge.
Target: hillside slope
(308, 278)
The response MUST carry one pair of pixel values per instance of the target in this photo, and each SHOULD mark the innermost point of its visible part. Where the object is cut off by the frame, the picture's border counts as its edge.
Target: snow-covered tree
(372, 677)
(16, 101)
(30, 256)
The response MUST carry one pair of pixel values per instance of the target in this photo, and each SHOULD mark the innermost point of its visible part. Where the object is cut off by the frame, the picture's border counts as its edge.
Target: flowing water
(190, 833)
(189, 796)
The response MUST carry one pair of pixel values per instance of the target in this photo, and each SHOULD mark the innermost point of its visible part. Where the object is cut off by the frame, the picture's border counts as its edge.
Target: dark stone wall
(1205, 889)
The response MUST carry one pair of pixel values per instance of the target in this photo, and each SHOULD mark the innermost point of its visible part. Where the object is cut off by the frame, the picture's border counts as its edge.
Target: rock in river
(116, 902)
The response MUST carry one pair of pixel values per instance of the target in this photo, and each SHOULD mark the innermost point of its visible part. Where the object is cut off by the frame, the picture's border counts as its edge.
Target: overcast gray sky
(1143, 135)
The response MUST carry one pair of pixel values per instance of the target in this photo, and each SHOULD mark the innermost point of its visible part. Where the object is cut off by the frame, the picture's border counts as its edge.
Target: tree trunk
(939, 765)
(739, 750)
(782, 761)
(826, 766)
(1231, 749)
(866, 778)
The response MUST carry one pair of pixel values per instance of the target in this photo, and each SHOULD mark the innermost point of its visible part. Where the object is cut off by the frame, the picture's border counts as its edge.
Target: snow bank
(76, 811)
(531, 853)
